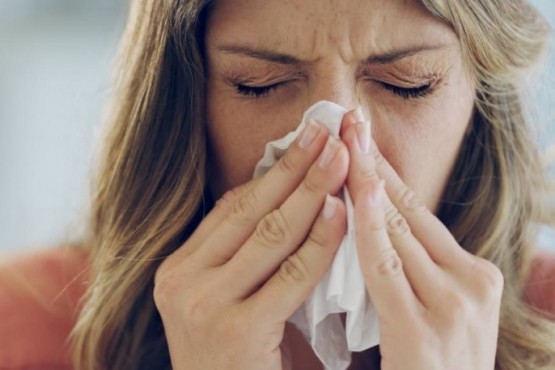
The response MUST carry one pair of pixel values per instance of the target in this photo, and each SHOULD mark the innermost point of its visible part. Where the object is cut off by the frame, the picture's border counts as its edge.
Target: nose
(339, 88)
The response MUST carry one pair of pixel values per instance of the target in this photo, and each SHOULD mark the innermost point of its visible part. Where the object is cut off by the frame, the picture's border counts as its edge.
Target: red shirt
(39, 302)
(39, 295)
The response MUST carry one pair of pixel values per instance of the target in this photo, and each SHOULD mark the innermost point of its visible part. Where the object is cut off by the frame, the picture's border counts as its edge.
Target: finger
(350, 118)
(271, 191)
(297, 276)
(426, 227)
(356, 133)
(213, 219)
(280, 232)
(423, 274)
(382, 267)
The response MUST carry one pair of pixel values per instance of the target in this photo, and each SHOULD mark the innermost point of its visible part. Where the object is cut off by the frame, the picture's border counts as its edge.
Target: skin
(419, 137)
(225, 295)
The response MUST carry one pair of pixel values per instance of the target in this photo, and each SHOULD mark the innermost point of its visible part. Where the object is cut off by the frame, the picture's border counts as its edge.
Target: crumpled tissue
(342, 290)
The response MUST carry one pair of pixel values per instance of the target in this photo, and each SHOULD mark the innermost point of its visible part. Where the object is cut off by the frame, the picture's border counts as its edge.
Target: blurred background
(55, 60)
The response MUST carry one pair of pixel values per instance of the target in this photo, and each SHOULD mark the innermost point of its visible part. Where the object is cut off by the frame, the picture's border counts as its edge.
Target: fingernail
(330, 207)
(376, 197)
(358, 116)
(363, 136)
(329, 153)
(309, 133)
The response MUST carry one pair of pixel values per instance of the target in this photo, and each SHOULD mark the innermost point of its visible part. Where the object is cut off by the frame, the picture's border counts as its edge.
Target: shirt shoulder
(540, 287)
(39, 302)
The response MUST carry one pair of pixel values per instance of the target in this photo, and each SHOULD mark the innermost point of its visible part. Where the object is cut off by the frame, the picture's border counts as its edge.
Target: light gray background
(55, 58)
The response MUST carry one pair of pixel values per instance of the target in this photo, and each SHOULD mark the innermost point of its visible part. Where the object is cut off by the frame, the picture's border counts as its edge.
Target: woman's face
(268, 61)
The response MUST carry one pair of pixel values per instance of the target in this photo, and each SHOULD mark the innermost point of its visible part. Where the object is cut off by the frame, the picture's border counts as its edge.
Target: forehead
(309, 27)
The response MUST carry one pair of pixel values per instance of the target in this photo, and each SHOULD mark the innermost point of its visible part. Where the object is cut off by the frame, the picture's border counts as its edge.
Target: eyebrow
(395, 55)
(280, 58)
(261, 54)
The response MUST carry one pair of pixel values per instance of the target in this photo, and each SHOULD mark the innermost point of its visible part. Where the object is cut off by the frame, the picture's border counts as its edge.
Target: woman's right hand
(225, 295)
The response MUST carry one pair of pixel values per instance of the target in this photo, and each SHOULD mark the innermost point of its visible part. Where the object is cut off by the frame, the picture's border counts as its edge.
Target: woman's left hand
(438, 305)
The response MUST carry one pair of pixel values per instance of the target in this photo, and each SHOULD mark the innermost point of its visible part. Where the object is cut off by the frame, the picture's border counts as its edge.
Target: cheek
(421, 143)
(238, 133)
(420, 139)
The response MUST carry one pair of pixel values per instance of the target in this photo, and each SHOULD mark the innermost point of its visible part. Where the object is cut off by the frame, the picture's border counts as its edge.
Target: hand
(224, 296)
(438, 305)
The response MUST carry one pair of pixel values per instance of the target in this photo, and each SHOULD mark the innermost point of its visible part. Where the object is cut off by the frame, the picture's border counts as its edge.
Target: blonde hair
(149, 190)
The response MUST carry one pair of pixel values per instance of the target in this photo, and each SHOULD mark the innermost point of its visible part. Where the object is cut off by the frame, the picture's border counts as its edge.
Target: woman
(179, 281)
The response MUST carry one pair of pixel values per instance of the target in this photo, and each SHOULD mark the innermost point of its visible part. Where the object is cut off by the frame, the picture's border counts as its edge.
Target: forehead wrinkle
(347, 36)
(354, 41)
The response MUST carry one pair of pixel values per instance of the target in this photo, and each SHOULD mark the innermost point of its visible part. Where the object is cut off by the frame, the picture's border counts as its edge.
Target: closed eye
(256, 91)
(403, 92)
(408, 93)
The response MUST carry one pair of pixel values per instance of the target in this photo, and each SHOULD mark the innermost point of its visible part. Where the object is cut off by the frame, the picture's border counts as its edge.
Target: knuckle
(389, 264)
(410, 201)
(293, 270)
(317, 238)
(166, 286)
(272, 230)
(309, 185)
(390, 210)
(168, 299)
(225, 203)
(230, 197)
(378, 157)
(458, 306)
(245, 207)
(396, 223)
(287, 163)
(490, 279)
(366, 174)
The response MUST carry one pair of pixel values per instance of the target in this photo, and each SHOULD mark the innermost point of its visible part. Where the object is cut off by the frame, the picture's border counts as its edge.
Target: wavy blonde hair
(149, 189)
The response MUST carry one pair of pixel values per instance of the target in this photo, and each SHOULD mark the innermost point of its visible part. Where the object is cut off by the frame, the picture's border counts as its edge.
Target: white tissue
(342, 289)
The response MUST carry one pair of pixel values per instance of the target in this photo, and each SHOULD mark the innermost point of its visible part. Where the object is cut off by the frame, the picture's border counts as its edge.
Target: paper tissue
(342, 289)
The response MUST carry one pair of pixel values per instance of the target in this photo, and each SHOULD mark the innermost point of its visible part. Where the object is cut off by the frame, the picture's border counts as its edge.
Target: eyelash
(409, 93)
(256, 91)
(405, 93)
